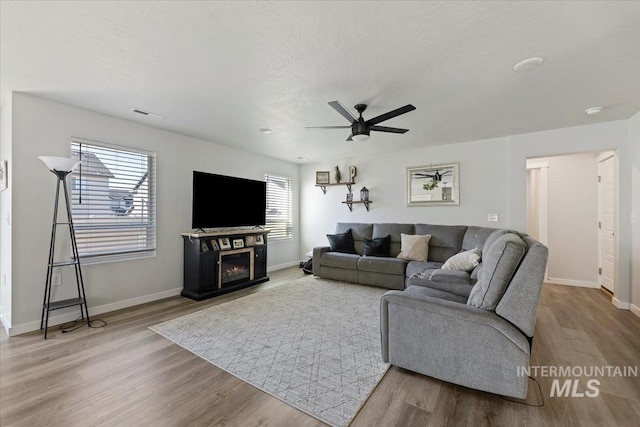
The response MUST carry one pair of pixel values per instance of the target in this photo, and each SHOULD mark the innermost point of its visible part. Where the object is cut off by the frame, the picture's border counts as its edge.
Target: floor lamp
(61, 167)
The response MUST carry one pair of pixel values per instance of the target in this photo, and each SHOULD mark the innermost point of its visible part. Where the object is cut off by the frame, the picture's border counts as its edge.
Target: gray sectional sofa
(473, 328)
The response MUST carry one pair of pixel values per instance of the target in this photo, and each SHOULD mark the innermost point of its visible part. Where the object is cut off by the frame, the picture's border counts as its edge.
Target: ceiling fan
(436, 176)
(360, 127)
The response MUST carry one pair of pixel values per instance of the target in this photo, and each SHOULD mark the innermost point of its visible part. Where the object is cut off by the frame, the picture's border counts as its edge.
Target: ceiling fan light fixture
(360, 137)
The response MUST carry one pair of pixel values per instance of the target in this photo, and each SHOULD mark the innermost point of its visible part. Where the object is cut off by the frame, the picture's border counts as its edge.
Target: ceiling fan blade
(388, 129)
(328, 127)
(391, 114)
(336, 105)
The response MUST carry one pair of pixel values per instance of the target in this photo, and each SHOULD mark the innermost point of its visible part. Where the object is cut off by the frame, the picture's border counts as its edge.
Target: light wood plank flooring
(126, 375)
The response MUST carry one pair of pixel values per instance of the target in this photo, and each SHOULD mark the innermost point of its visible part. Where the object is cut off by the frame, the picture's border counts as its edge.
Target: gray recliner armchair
(481, 341)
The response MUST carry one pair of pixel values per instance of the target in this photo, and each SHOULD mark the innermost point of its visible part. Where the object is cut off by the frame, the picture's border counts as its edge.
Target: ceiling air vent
(147, 113)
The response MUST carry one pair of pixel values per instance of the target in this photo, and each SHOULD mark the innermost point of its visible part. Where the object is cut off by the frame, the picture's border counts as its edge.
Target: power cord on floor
(522, 402)
(79, 322)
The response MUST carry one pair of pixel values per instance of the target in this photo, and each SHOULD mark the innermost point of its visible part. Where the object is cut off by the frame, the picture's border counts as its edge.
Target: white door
(606, 224)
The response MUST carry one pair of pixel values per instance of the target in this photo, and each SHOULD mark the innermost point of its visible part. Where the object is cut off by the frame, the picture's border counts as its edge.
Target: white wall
(42, 127)
(634, 144)
(572, 209)
(492, 180)
(483, 189)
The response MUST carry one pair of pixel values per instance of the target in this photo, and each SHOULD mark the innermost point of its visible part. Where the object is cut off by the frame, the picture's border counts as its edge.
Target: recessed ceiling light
(528, 64)
(265, 130)
(302, 158)
(593, 111)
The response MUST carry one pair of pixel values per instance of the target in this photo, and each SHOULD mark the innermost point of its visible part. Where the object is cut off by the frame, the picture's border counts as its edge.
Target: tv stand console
(218, 262)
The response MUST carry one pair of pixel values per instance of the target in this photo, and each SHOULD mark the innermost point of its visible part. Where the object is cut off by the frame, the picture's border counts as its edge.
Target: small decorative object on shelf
(338, 174)
(364, 194)
(352, 173)
(349, 197)
(322, 177)
(224, 243)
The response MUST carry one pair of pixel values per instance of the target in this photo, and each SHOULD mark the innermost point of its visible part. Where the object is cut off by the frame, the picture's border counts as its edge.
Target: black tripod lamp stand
(61, 167)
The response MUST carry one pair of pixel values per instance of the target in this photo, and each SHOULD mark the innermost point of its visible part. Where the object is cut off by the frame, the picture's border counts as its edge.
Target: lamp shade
(60, 164)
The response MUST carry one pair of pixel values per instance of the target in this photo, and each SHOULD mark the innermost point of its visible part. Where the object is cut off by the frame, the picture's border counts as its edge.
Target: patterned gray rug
(313, 343)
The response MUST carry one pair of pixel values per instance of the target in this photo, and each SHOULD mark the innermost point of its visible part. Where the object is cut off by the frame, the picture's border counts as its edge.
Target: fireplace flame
(236, 269)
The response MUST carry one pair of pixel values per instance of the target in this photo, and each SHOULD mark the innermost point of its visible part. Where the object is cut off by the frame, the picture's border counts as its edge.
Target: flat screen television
(226, 201)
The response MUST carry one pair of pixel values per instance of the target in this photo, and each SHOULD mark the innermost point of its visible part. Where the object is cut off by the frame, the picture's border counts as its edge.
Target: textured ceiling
(222, 70)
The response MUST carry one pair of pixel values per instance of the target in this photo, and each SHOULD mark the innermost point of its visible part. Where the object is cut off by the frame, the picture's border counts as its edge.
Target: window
(279, 216)
(113, 201)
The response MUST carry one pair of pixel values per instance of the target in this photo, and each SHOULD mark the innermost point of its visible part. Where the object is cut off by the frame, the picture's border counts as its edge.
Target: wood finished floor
(126, 375)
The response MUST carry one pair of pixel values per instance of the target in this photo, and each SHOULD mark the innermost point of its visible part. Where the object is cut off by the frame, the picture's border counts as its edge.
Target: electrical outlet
(56, 279)
(492, 218)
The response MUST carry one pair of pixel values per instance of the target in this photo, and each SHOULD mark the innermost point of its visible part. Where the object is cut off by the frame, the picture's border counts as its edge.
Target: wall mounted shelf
(324, 186)
(362, 202)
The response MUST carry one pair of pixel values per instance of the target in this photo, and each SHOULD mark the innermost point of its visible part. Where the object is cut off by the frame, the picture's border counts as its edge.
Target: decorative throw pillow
(463, 261)
(414, 247)
(380, 246)
(342, 242)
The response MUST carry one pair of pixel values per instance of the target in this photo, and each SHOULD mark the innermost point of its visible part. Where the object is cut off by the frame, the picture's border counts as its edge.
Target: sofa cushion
(340, 260)
(342, 242)
(435, 293)
(446, 240)
(463, 261)
(379, 246)
(383, 265)
(500, 260)
(414, 247)
(359, 231)
(420, 267)
(451, 281)
(492, 238)
(475, 237)
(394, 230)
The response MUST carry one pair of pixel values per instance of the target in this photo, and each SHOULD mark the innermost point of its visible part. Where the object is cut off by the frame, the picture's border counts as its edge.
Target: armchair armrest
(432, 307)
(317, 253)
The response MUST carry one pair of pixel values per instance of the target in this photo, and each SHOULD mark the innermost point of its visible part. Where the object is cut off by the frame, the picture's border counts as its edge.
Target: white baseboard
(570, 282)
(93, 311)
(59, 319)
(634, 309)
(620, 304)
(281, 266)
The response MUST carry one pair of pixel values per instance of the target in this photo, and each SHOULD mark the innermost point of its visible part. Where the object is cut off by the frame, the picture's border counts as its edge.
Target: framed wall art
(224, 243)
(323, 177)
(433, 185)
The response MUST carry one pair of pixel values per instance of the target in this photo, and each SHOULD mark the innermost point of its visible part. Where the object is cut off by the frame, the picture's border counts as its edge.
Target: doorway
(573, 214)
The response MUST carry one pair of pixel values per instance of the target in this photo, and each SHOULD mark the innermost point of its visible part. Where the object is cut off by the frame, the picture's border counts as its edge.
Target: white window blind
(113, 200)
(279, 215)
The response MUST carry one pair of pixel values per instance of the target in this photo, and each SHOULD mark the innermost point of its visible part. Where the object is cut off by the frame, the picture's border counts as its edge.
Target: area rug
(312, 343)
